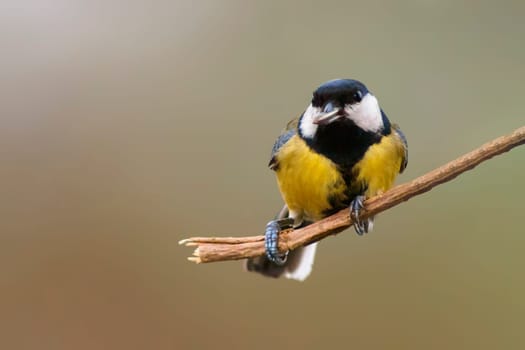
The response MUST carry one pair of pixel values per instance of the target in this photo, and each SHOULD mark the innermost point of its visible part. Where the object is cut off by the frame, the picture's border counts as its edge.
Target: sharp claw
(355, 207)
(271, 240)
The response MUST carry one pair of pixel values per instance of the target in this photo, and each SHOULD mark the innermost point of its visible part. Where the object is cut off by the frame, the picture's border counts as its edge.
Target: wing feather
(403, 138)
(286, 135)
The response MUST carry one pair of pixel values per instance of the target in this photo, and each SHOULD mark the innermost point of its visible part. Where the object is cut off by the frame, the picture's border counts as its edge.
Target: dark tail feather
(298, 265)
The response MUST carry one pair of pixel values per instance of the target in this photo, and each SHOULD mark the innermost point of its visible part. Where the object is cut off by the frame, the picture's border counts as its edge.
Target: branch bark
(212, 249)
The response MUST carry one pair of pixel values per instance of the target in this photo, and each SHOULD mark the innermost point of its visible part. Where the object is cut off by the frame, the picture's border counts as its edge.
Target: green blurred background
(127, 126)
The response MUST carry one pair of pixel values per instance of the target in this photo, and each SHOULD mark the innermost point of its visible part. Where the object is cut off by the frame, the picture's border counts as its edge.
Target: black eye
(358, 96)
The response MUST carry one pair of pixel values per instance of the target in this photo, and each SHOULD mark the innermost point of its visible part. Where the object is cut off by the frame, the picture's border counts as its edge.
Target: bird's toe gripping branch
(271, 240)
(360, 226)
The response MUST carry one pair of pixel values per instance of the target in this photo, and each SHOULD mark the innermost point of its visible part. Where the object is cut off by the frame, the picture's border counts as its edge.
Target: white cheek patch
(366, 114)
(307, 126)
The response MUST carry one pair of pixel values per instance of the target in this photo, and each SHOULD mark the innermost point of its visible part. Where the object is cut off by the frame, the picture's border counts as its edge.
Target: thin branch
(211, 249)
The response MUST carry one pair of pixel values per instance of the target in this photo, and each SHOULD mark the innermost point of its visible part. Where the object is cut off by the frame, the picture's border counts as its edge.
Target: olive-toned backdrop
(127, 126)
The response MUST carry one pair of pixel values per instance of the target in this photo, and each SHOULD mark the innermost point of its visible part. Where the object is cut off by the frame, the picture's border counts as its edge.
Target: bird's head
(341, 101)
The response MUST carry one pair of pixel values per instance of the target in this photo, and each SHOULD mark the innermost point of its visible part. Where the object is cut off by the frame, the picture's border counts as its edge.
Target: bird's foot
(271, 239)
(355, 207)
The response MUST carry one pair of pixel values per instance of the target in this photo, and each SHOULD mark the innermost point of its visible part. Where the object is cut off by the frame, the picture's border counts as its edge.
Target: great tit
(339, 152)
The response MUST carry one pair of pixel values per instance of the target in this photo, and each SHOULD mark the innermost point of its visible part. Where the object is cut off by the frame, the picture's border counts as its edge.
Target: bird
(340, 151)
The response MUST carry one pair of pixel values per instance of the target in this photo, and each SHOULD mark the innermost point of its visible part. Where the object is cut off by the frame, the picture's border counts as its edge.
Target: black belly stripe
(345, 144)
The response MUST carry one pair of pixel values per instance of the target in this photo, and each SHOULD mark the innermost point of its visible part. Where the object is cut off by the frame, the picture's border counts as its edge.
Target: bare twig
(211, 249)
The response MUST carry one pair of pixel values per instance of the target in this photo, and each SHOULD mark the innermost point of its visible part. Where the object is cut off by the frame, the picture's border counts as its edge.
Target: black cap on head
(343, 91)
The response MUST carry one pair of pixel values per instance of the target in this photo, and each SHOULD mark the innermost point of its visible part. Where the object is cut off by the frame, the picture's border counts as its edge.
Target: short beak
(330, 114)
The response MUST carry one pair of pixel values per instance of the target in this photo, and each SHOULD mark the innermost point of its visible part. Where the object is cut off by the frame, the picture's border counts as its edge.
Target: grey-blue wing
(288, 133)
(403, 138)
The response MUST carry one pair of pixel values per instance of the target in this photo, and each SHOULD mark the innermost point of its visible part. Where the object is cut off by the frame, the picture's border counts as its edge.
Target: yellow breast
(380, 165)
(311, 184)
(308, 181)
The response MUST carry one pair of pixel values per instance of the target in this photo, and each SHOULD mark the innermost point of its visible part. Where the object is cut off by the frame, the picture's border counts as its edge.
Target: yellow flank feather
(380, 165)
(307, 179)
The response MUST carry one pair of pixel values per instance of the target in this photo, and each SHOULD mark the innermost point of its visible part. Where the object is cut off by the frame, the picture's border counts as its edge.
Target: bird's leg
(355, 207)
(271, 239)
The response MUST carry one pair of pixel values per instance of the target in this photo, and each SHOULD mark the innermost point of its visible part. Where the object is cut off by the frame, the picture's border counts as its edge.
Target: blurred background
(127, 126)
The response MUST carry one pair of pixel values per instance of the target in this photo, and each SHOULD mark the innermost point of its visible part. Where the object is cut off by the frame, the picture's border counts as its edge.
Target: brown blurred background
(127, 126)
